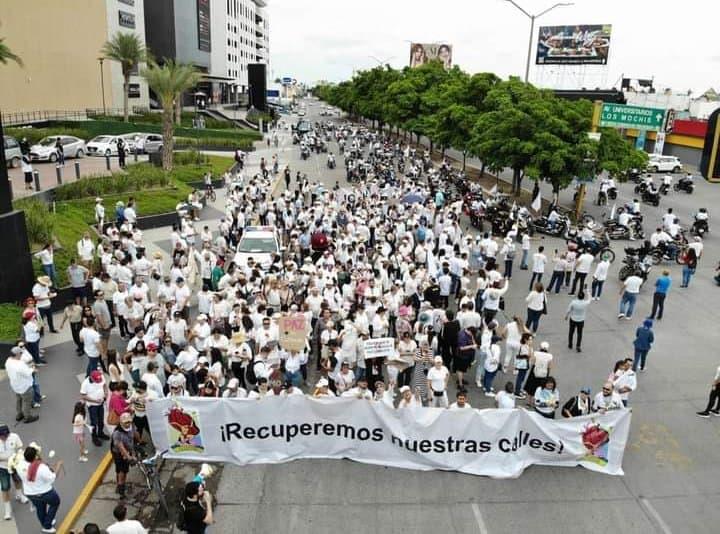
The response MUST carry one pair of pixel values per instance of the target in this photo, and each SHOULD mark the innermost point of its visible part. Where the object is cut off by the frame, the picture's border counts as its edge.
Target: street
(671, 464)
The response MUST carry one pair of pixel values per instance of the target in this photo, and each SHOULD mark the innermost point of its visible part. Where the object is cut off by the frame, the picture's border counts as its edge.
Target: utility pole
(532, 29)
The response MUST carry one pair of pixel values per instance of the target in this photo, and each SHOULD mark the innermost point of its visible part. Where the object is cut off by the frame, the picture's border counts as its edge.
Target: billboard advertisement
(421, 53)
(203, 18)
(586, 44)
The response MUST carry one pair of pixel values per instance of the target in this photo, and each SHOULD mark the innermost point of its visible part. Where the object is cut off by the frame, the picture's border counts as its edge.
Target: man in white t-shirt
(599, 277)
(582, 267)
(93, 391)
(123, 525)
(629, 292)
(437, 379)
(461, 403)
(505, 399)
(538, 267)
(525, 239)
(90, 339)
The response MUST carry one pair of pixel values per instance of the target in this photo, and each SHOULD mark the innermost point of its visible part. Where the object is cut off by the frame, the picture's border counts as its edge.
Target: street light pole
(102, 83)
(382, 62)
(532, 28)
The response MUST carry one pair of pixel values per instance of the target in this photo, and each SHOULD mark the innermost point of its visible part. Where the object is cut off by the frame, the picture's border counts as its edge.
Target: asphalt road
(671, 463)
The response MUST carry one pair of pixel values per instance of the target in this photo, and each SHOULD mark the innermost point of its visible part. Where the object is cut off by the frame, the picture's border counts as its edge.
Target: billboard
(421, 53)
(203, 19)
(587, 44)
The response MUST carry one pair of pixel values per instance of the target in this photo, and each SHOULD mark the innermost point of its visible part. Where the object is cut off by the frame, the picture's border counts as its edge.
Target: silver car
(13, 154)
(73, 147)
(152, 143)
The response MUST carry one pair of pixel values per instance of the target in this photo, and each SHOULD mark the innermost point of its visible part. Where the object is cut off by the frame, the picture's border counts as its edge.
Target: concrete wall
(114, 86)
(59, 43)
(186, 34)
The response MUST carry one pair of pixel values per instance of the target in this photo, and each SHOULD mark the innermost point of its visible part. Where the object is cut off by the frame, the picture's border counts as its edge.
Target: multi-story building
(59, 43)
(220, 37)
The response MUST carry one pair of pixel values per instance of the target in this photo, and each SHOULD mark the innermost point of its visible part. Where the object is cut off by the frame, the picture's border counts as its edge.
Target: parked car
(664, 164)
(152, 143)
(13, 154)
(73, 147)
(105, 145)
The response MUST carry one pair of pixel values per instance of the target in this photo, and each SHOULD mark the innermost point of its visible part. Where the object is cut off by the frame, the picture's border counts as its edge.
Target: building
(219, 37)
(59, 43)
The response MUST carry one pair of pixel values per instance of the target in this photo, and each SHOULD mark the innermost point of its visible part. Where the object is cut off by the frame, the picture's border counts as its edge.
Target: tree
(128, 50)
(7, 55)
(169, 81)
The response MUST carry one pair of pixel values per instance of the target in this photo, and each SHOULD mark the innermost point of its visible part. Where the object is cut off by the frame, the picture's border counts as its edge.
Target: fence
(20, 118)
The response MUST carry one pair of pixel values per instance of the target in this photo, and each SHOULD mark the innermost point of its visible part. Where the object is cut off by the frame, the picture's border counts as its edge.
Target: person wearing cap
(20, 376)
(122, 448)
(437, 381)
(408, 399)
(579, 405)
(93, 391)
(10, 445)
(233, 390)
(606, 400)
(43, 293)
(322, 389)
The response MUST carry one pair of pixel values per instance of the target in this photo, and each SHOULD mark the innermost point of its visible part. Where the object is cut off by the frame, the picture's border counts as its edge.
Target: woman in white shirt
(536, 303)
(547, 398)
(540, 367)
(512, 333)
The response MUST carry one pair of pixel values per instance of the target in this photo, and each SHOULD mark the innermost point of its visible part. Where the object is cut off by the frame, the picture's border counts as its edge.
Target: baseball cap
(4, 429)
(586, 390)
(96, 376)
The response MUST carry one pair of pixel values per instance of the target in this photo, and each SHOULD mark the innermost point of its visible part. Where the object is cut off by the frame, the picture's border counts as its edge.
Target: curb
(85, 495)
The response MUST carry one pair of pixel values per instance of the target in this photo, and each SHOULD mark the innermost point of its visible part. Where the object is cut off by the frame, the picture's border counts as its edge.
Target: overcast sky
(677, 42)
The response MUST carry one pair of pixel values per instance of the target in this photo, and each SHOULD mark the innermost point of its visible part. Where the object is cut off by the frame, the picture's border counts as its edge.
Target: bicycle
(151, 472)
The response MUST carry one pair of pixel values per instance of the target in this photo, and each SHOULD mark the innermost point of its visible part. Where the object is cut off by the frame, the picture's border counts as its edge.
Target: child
(78, 423)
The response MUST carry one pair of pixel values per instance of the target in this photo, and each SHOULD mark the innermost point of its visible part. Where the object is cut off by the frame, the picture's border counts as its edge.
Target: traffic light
(710, 162)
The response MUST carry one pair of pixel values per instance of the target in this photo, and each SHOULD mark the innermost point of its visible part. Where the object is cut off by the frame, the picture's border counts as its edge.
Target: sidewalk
(89, 166)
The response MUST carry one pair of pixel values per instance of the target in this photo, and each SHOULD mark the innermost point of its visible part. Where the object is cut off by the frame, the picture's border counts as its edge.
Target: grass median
(75, 211)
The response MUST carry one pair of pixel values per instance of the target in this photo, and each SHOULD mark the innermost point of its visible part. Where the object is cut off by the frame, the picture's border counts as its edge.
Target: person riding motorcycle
(666, 183)
(603, 192)
(662, 240)
(553, 219)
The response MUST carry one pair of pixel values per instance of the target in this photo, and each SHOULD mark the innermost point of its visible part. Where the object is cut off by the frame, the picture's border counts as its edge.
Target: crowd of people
(388, 257)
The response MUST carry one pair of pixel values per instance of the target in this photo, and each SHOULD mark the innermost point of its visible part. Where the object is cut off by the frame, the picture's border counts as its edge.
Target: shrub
(191, 157)
(34, 135)
(137, 178)
(39, 221)
(255, 115)
(10, 315)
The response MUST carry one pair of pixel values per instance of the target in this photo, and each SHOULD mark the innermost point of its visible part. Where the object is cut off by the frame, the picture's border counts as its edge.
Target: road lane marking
(656, 516)
(481, 522)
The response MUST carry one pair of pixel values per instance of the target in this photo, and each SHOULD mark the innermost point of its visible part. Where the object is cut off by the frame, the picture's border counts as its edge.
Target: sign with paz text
(621, 116)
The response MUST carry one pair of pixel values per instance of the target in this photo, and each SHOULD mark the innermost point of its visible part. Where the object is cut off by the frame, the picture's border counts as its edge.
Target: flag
(537, 198)
(612, 212)
(493, 191)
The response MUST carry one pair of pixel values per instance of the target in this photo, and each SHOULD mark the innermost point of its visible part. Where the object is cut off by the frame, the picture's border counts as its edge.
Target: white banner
(495, 443)
(380, 347)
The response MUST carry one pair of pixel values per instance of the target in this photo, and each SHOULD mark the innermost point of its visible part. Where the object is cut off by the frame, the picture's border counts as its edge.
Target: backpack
(180, 521)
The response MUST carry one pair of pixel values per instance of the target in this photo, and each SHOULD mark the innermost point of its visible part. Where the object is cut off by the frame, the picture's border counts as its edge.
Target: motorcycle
(633, 230)
(542, 226)
(612, 193)
(700, 227)
(684, 184)
(634, 265)
(664, 189)
(634, 175)
(650, 197)
(599, 246)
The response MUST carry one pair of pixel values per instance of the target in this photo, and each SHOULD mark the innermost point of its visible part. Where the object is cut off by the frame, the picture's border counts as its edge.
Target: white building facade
(241, 30)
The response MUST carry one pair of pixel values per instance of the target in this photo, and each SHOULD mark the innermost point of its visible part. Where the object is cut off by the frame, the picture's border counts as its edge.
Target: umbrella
(412, 198)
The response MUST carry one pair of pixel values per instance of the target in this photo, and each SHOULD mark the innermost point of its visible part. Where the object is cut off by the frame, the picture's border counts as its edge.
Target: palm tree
(7, 55)
(168, 82)
(128, 50)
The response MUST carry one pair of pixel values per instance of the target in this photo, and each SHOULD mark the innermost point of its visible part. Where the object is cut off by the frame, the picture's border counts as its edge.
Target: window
(134, 90)
(126, 20)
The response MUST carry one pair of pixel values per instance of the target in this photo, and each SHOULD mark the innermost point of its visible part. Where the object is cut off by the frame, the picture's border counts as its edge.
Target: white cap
(322, 383)
(544, 345)
(233, 383)
(404, 389)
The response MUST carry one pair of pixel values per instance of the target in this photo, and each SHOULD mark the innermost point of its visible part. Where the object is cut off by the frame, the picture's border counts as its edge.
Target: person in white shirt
(599, 277)
(37, 479)
(460, 403)
(607, 399)
(20, 376)
(582, 268)
(437, 381)
(538, 267)
(625, 379)
(10, 444)
(123, 525)
(360, 391)
(525, 246)
(629, 292)
(505, 399)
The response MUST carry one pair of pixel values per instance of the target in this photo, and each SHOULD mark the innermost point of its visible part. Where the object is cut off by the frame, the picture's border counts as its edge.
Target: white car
(105, 145)
(258, 243)
(664, 164)
(73, 147)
